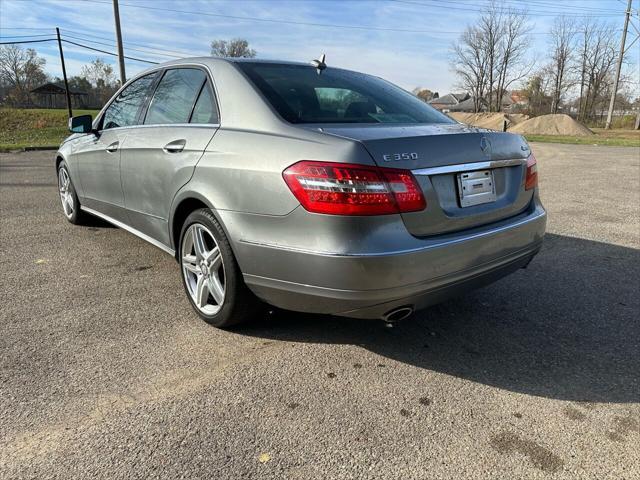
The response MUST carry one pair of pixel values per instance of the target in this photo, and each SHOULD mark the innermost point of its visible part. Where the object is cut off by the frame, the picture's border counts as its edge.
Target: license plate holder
(475, 188)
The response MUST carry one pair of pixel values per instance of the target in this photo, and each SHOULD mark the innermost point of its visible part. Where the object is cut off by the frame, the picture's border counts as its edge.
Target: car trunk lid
(447, 160)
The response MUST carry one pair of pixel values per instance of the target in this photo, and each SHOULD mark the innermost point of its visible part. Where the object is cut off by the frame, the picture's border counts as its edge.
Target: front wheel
(210, 273)
(68, 196)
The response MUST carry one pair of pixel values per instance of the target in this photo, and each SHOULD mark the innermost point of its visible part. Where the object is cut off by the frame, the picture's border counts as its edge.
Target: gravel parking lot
(105, 372)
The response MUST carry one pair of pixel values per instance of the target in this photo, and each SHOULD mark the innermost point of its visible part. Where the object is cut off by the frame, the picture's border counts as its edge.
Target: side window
(205, 110)
(123, 111)
(174, 98)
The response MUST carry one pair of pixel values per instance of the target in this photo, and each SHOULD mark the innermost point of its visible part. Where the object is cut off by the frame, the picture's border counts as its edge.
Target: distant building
(519, 97)
(52, 95)
(445, 102)
(511, 102)
(468, 105)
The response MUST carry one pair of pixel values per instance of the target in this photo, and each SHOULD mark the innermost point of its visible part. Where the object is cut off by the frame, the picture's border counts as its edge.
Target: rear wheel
(68, 196)
(210, 273)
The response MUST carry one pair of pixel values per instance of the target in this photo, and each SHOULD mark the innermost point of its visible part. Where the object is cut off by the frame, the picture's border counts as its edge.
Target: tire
(68, 196)
(207, 263)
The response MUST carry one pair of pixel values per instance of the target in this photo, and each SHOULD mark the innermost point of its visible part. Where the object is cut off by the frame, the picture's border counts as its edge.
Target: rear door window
(123, 111)
(175, 96)
(205, 110)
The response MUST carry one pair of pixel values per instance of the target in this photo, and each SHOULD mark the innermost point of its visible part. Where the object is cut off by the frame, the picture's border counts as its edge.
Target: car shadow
(93, 222)
(567, 327)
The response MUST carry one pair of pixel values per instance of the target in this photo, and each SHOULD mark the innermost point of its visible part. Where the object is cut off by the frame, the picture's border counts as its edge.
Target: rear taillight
(351, 189)
(531, 180)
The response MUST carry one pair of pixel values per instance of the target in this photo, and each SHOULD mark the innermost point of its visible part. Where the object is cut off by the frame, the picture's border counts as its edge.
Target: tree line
(577, 72)
(490, 58)
(22, 70)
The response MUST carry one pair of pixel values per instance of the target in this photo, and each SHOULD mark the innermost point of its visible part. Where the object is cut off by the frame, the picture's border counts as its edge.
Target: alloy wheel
(66, 193)
(203, 269)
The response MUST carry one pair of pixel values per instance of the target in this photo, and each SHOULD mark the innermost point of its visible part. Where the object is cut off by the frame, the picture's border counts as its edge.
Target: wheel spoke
(189, 262)
(69, 201)
(216, 289)
(216, 264)
(192, 268)
(202, 292)
(213, 257)
(199, 243)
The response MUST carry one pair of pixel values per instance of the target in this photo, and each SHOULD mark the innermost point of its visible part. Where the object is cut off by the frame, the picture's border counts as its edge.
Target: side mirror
(81, 124)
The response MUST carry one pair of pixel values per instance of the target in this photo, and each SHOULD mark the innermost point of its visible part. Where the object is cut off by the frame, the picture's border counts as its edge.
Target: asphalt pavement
(106, 373)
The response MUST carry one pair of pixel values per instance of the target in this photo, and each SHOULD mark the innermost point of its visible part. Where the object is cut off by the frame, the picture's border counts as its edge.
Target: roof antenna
(319, 64)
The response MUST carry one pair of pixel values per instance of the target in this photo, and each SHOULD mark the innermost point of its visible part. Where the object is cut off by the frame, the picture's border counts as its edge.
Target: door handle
(175, 147)
(113, 147)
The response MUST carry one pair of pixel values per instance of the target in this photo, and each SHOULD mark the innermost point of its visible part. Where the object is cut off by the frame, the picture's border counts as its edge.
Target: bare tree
(512, 49)
(21, 71)
(490, 56)
(238, 47)
(470, 65)
(102, 78)
(562, 43)
(98, 73)
(491, 32)
(598, 61)
(586, 31)
(425, 94)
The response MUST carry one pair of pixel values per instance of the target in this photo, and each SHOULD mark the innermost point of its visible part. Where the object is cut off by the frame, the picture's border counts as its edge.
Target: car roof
(213, 60)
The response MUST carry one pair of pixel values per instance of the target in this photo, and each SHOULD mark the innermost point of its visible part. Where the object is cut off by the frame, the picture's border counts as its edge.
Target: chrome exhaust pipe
(397, 314)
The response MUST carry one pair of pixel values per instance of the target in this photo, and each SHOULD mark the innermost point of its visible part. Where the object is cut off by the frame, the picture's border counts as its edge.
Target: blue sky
(417, 56)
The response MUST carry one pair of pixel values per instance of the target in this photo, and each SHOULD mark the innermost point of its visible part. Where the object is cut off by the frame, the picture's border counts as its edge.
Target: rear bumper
(376, 303)
(369, 284)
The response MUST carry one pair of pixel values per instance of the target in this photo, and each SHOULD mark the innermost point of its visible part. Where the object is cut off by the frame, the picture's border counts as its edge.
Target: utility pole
(582, 74)
(612, 103)
(64, 74)
(116, 15)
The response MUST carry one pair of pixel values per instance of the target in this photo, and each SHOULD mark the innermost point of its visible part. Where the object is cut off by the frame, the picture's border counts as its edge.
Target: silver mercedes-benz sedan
(307, 187)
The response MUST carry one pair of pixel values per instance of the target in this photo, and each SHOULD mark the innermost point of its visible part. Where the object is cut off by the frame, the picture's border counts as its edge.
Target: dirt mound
(558, 124)
(517, 118)
(492, 121)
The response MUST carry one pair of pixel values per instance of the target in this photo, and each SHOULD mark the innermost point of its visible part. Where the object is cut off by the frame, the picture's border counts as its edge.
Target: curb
(28, 149)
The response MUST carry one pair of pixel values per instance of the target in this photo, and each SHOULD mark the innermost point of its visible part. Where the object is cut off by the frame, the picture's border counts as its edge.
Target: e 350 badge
(394, 157)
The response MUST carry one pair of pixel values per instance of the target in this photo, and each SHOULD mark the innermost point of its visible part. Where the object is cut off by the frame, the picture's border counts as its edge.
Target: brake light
(352, 189)
(531, 180)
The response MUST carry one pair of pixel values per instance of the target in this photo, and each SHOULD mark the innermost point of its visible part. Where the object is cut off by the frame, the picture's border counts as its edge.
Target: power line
(74, 33)
(26, 36)
(547, 7)
(78, 45)
(327, 25)
(28, 41)
(67, 35)
(109, 53)
(24, 28)
(286, 22)
(465, 8)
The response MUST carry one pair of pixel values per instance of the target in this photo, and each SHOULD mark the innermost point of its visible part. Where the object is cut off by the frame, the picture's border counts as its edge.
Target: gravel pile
(558, 124)
(492, 121)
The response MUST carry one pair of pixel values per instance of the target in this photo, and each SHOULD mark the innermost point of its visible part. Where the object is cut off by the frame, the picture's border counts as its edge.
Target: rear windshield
(301, 95)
